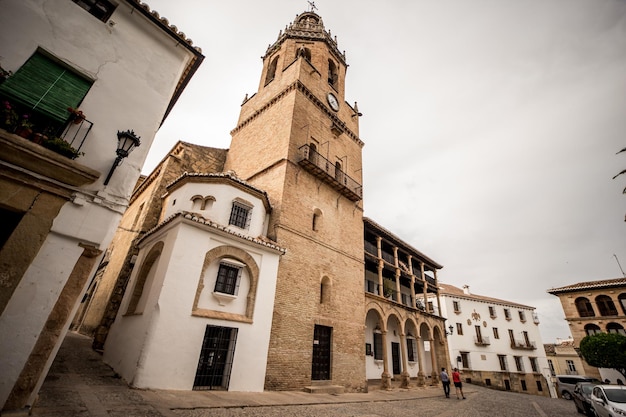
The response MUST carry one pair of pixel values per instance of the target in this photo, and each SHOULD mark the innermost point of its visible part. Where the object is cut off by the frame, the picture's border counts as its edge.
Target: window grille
(228, 278)
(102, 9)
(240, 215)
(410, 349)
(216, 358)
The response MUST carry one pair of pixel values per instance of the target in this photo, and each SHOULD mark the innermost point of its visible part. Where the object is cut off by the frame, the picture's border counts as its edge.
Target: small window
(410, 349)
(523, 385)
(378, 346)
(333, 77)
(583, 305)
(102, 9)
(492, 312)
(240, 215)
(325, 291)
(228, 278)
(459, 329)
(316, 220)
(519, 364)
(488, 382)
(507, 314)
(591, 329)
(304, 52)
(465, 360)
(539, 386)
(522, 316)
(606, 306)
(496, 334)
(502, 361)
(271, 70)
(571, 367)
(551, 365)
(533, 364)
(456, 306)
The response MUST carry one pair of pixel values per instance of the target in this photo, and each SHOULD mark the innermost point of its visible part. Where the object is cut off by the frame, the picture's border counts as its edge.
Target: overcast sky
(490, 126)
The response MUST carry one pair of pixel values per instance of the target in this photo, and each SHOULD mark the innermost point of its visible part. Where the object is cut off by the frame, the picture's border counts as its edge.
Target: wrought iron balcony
(481, 341)
(371, 248)
(326, 171)
(520, 344)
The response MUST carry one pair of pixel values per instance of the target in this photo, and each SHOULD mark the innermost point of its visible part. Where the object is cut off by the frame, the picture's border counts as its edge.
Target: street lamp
(126, 142)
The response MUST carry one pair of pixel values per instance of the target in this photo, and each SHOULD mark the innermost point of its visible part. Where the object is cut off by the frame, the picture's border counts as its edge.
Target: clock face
(332, 101)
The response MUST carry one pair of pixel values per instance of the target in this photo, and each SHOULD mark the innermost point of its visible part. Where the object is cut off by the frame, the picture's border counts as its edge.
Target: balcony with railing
(523, 345)
(371, 248)
(64, 138)
(481, 341)
(326, 171)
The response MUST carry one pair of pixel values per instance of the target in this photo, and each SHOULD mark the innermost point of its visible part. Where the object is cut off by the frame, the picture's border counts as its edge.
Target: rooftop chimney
(466, 289)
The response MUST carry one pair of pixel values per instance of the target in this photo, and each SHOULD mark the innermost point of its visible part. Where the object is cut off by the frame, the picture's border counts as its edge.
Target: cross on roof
(312, 5)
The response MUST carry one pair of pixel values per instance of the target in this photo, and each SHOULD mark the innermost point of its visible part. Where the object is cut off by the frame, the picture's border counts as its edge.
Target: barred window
(228, 278)
(102, 9)
(410, 349)
(378, 346)
(240, 215)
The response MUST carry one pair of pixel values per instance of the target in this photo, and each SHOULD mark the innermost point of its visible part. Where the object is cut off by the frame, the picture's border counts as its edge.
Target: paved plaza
(80, 384)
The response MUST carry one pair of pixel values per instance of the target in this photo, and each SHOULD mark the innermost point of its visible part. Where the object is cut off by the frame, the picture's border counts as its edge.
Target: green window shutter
(46, 87)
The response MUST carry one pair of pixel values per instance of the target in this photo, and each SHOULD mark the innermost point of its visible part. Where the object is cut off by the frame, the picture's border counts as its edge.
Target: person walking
(458, 385)
(445, 381)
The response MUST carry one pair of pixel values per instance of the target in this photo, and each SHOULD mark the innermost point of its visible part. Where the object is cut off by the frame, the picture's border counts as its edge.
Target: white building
(124, 68)
(494, 342)
(198, 310)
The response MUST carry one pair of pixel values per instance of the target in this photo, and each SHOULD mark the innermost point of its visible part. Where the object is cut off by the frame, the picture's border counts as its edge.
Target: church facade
(348, 299)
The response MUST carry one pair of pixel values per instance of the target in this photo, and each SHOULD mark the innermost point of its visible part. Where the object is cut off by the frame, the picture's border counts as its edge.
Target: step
(324, 389)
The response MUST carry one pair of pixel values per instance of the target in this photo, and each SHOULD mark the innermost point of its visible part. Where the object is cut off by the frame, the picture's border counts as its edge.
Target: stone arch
(145, 275)
(214, 255)
(584, 307)
(613, 327)
(316, 222)
(591, 329)
(605, 304)
(622, 301)
(271, 70)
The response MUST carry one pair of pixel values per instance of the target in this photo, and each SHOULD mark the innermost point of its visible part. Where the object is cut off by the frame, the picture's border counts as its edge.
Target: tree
(605, 350)
(623, 171)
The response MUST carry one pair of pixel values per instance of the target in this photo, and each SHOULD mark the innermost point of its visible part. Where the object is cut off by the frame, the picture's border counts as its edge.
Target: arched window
(271, 70)
(197, 202)
(622, 302)
(591, 329)
(304, 52)
(584, 307)
(332, 74)
(325, 291)
(338, 172)
(615, 328)
(317, 219)
(313, 153)
(606, 307)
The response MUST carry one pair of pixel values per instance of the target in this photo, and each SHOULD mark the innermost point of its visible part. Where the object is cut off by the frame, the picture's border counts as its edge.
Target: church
(253, 268)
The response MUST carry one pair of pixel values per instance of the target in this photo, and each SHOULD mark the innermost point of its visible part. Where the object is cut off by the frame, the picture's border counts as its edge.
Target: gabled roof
(196, 218)
(447, 289)
(588, 285)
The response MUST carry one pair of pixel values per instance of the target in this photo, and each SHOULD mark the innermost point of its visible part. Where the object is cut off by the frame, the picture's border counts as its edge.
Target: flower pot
(24, 132)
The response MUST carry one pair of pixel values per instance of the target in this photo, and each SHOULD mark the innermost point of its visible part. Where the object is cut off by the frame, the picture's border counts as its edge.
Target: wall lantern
(451, 328)
(126, 142)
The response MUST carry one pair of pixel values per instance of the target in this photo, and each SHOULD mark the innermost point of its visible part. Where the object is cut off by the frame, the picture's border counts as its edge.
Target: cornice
(299, 86)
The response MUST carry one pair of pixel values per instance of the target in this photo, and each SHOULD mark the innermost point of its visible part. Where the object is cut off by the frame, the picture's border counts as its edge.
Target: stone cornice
(299, 86)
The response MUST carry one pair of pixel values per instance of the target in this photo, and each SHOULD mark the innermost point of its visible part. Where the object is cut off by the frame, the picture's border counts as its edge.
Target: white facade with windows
(495, 342)
(124, 68)
(198, 310)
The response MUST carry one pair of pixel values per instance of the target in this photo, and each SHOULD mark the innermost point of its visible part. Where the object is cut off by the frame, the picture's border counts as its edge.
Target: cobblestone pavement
(80, 384)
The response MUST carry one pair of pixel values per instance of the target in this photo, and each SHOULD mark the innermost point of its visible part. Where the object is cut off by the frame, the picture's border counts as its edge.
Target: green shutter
(47, 87)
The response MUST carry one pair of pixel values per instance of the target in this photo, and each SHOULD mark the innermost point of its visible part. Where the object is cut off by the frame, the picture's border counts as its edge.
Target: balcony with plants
(40, 105)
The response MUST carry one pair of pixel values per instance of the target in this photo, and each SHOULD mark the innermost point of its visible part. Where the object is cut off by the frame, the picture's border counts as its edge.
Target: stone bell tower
(298, 139)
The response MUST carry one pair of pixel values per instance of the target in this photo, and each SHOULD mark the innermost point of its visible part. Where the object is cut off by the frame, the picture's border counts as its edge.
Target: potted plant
(24, 127)
(76, 116)
(62, 147)
(9, 116)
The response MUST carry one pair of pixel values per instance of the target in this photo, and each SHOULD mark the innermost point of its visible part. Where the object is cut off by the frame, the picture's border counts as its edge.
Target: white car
(609, 400)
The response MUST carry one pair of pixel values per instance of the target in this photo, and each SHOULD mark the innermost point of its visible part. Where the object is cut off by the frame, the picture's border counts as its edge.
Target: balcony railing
(520, 344)
(371, 248)
(481, 341)
(388, 257)
(371, 287)
(326, 171)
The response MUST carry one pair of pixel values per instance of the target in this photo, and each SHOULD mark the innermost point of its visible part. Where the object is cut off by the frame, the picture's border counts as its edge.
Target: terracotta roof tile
(605, 283)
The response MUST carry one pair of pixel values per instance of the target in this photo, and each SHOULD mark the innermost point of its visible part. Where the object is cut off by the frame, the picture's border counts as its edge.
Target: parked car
(565, 384)
(582, 397)
(609, 400)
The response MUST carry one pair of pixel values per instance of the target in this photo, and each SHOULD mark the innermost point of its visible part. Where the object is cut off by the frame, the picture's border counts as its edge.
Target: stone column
(421, 380)
(425, 283)
(438, 299)
(413, 298)
(405, 377)
(433, 361)
(385, 378)
(381, 291)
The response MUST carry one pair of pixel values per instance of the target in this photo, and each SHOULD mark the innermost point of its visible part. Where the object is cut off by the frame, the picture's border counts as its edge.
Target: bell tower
(298, 139)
